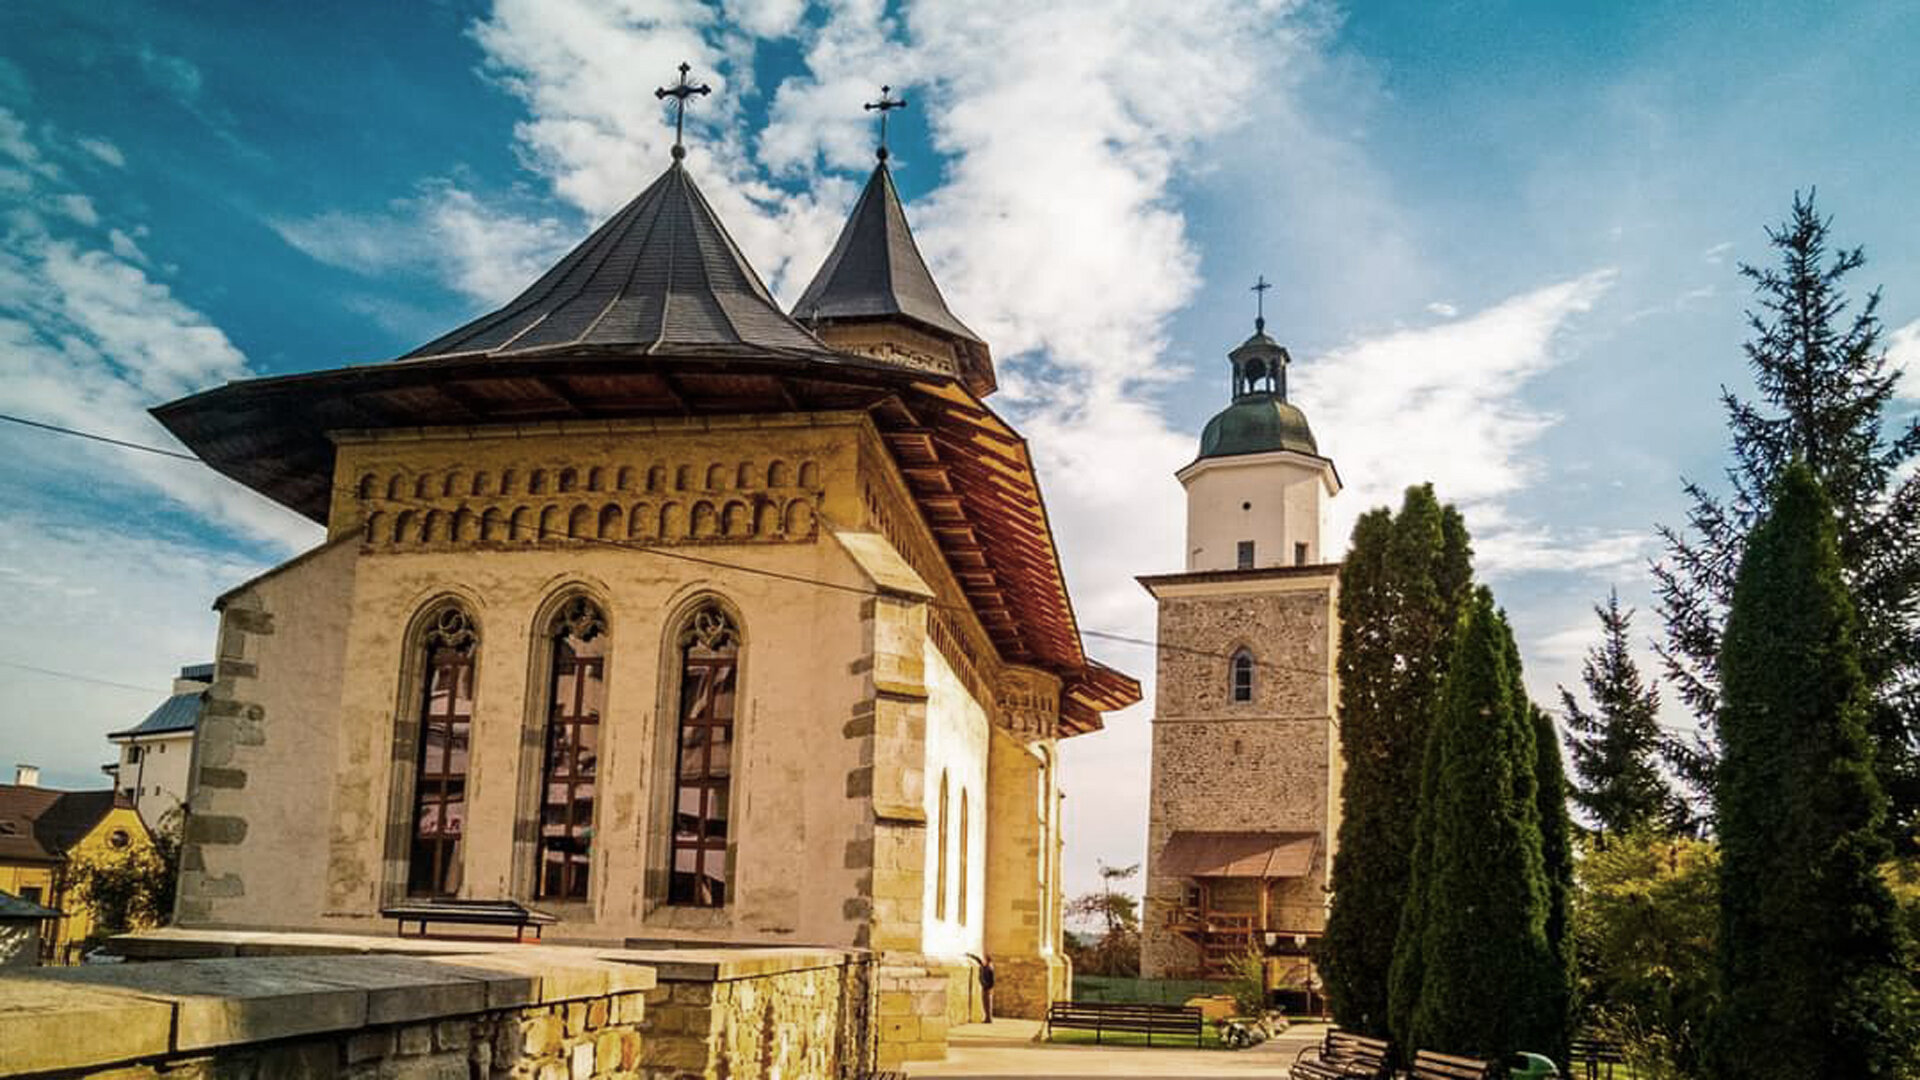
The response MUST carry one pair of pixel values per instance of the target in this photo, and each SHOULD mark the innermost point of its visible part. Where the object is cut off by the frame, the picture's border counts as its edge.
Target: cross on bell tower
(1260, 287)
(885, 105)
(680, 92)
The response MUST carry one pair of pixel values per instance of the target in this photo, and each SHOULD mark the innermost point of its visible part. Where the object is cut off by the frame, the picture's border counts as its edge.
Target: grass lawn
(1210, 1039)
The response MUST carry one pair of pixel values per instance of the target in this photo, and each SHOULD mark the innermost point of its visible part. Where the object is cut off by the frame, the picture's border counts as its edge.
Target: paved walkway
(1006, 1048)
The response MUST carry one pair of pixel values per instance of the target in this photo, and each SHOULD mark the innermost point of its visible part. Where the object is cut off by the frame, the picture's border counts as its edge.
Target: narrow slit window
(1299, 554)
(1242, 676)
(570, 772)
(1245, 555)
(436, 851)
(703, 768)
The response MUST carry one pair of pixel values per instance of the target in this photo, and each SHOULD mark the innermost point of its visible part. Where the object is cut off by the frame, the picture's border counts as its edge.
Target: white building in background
(152, 768)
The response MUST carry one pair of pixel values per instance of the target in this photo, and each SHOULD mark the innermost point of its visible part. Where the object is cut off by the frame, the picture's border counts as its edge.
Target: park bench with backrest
(1343, 1055)
(1100, 1017)
(1428, 1065)
(1588, 1055)
(468, 913)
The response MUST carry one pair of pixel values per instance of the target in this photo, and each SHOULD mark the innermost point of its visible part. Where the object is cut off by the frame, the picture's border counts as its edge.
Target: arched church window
(1242, 675)
(438, 821)
(940, 860)
(962, 912)
(709, 647)
(568, 789)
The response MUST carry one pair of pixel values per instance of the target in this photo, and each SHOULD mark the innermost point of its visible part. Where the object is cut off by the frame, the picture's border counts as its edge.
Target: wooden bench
(469, 913)
(1101, 1017)
(1343, 1054)
(1428, 1065)
(1588, 1055)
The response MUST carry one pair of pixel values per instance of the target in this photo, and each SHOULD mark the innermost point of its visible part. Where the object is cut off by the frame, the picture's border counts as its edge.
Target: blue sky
(1504, 235)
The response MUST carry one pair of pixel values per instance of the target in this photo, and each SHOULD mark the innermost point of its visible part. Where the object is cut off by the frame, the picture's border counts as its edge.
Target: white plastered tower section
(1246, 770)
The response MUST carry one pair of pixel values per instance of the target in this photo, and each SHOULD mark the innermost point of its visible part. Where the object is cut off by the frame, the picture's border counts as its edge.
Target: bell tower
(1246, 767)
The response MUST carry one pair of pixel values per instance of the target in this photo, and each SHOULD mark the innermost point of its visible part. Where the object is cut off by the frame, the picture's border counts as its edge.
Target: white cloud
(1903, 354)
(90, 341)
(1444, 310)
(103, 150)
(78, 207)
(15, 143)
(1445, 404)
(121, 605)
(485, 252)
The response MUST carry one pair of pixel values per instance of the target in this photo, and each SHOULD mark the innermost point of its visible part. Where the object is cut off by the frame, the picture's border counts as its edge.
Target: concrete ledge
(723, 965)
(69, 1018)
(47, 1025)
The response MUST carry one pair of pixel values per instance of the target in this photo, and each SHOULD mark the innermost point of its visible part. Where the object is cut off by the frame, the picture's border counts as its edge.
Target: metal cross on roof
(885, 105)
(680, 92)
(1260, 287)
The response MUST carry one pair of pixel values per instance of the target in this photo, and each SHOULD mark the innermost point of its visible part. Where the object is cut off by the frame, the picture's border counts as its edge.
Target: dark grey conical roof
(662, 275)
(875, 270)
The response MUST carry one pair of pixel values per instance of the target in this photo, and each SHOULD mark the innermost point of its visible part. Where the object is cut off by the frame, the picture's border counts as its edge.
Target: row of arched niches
(717, 502)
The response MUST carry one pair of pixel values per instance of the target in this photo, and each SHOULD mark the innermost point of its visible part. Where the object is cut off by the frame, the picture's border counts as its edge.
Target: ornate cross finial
(1260, 287)
(885, 105)
(680, 92)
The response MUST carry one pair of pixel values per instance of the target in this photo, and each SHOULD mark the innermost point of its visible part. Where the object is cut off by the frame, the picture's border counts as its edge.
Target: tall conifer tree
(1616, 745)
(1474, 971)
(1811, 951)
(1556, 865)
(1401, 585)
(1825, 385)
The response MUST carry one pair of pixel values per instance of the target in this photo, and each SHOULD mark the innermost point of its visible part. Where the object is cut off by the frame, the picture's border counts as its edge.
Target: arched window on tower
(439, 813)
(569, 771)
(703, 771)
(1241, 675)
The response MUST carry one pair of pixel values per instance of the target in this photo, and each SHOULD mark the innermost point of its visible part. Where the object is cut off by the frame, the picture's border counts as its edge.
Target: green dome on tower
(1255, 424)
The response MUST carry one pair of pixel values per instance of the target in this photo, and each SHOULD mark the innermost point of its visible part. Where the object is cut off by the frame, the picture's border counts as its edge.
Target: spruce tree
(1615, 745)
(1810, 955)
(1824, 387)
(1401, 585)
(1474, 971)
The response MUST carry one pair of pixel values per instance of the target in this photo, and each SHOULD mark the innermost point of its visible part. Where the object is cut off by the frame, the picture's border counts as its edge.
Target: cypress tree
(1825, 385)
(1556, 859)
(1474, 972)
(1615, 745)
(1810, 951)
(1401, 585)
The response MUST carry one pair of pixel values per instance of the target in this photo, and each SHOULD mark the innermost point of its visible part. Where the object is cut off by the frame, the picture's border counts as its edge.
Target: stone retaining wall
(490, 1017)
(767, 1017)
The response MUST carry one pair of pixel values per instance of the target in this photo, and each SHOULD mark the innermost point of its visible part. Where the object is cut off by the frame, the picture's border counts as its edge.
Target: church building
(1246, 754)
(655, 607)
